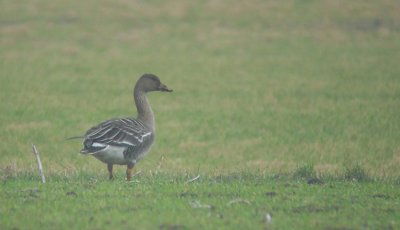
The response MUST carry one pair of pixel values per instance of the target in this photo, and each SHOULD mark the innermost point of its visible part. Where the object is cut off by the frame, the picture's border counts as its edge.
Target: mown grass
(166, 201)
(304, 89)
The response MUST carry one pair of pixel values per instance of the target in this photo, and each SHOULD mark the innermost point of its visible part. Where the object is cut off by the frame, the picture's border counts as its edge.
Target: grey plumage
(129, 133)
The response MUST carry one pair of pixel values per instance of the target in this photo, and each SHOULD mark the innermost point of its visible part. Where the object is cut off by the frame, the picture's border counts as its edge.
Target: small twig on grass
(196, 204)
(29, 190)
(268, 218)
(39, 163)
(133, 175)
(239, 200)
(137, 173)
(193, 179)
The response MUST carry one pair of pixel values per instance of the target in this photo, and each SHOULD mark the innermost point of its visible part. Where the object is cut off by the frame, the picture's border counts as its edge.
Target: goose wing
(124, 132)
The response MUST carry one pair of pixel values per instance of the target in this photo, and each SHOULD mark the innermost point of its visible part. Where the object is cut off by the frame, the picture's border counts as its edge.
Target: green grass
(305, 91)
(234, 201)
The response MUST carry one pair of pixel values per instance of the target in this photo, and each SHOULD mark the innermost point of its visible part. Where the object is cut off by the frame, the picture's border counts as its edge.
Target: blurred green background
(259, 85)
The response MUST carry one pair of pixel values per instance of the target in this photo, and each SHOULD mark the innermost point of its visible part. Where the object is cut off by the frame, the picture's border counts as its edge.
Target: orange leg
(129, 171)
(110, 169)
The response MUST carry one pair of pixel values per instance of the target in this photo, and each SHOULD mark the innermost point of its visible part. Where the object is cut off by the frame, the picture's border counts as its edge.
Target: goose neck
(145, 113)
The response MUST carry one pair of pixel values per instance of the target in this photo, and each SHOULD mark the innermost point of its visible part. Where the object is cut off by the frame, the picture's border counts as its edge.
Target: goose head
(150, 82)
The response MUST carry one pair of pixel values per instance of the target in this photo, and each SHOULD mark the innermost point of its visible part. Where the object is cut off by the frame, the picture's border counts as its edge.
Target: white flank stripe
(95, 144)
(127, 143)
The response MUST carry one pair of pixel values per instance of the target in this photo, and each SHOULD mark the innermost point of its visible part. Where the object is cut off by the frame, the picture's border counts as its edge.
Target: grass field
(239, 201)
(288, 108)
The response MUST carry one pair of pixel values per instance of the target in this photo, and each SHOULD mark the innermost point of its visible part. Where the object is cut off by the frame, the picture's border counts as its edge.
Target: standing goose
(125, 141)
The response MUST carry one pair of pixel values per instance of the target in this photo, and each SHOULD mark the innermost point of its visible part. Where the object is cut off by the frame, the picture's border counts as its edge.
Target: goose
(124, 141)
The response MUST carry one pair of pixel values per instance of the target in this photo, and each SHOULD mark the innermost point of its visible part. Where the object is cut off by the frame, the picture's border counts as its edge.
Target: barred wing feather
(117, 132)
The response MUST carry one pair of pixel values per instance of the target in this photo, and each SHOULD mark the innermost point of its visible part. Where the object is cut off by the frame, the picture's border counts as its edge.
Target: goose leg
(110, 168)
(129, 171)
